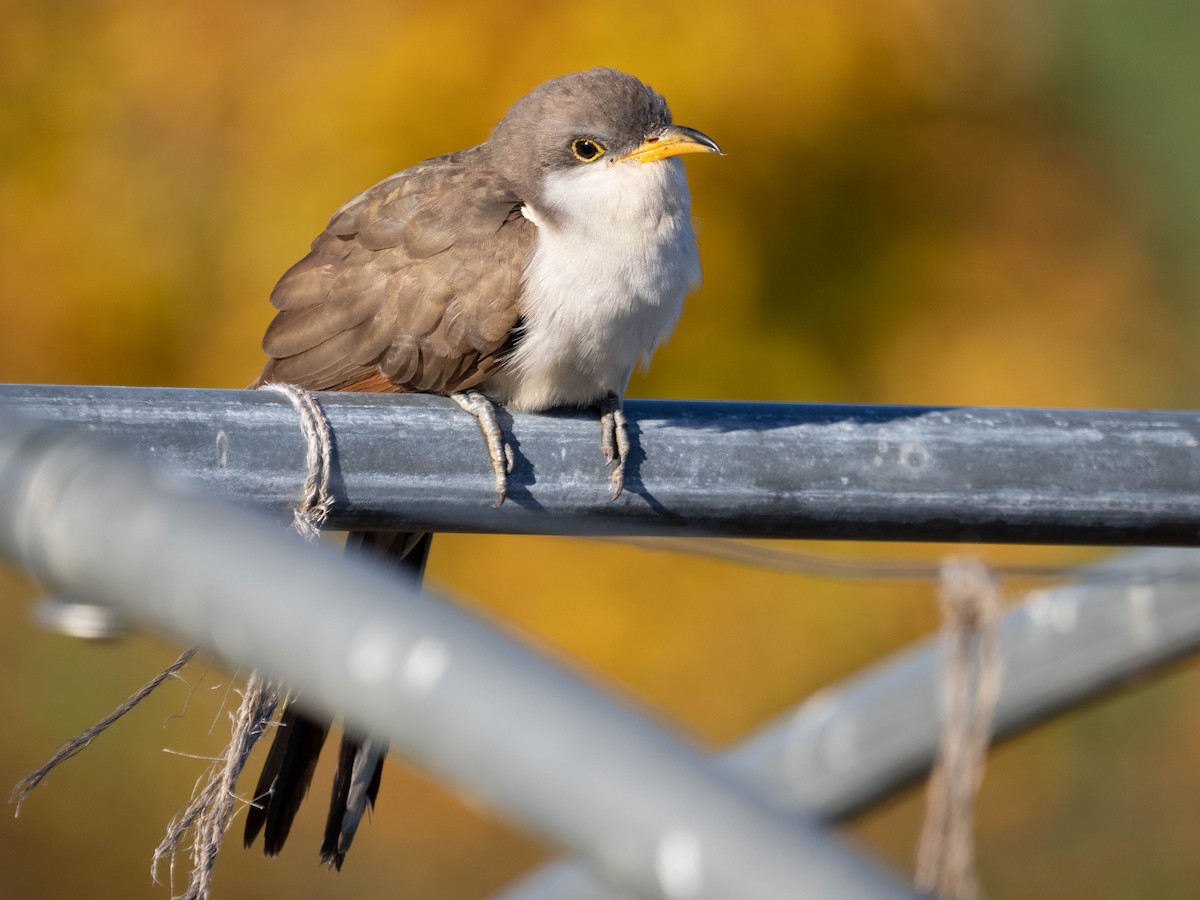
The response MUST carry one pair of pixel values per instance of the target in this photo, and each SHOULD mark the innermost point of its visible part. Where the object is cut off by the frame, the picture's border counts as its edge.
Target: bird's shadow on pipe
(524, 473)
(633, 472)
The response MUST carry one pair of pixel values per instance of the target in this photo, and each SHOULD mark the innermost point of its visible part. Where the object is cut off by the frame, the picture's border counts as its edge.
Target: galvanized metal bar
(444, 687)
(733, 469)
(853, 744)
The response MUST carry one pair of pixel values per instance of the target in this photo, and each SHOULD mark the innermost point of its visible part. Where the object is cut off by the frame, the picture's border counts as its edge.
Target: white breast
(604, 286)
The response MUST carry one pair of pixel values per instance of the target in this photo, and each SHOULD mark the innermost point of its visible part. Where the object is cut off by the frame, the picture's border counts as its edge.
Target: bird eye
(587, 149)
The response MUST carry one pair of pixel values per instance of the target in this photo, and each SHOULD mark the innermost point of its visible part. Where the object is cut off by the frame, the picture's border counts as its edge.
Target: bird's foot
(499, 450)
(614, 441)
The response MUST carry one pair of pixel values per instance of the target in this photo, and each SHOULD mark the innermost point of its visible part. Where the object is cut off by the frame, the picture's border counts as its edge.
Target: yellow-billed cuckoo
(534, 270)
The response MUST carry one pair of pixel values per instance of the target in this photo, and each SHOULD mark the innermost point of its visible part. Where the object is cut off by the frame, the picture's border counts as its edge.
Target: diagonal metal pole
(536, 742)
(855, 743)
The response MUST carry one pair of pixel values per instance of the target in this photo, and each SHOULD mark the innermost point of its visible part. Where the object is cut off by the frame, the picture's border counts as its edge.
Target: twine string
(971, 673)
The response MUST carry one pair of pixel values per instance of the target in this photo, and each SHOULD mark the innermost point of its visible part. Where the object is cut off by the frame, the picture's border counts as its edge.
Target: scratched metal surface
(736, 469)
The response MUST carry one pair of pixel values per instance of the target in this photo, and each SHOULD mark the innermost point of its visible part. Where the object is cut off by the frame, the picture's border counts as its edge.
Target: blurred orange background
(922, 201)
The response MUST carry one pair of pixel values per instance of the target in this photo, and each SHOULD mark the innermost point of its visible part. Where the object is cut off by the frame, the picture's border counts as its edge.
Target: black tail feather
(330, 854)
(290, 763)
(286, 776)
(355, 787)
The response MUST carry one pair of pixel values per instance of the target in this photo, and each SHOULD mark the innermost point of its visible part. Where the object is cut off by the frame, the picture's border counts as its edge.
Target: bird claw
(614, 442)
(499, 450)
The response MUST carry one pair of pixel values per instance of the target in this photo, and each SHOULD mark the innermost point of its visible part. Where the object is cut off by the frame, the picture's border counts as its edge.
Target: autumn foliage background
(922, 201)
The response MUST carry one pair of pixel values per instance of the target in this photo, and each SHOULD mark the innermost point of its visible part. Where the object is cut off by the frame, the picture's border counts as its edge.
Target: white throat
(604, 286)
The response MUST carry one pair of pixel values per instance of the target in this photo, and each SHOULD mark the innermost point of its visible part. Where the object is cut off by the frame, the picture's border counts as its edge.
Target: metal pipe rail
(444, 687)
(731, 469)
(851, 745)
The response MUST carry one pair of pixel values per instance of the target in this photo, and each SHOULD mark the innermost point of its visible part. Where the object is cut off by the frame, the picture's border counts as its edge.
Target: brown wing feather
(413, 284)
